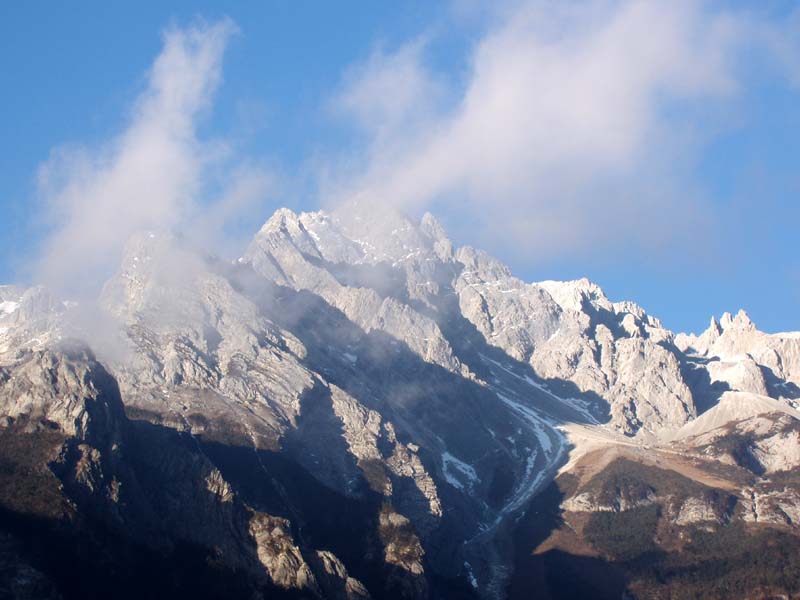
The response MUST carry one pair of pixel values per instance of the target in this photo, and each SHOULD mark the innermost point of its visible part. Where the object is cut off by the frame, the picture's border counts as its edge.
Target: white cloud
(573, 132)
(154, 175)
(577, 128)
(390, 92)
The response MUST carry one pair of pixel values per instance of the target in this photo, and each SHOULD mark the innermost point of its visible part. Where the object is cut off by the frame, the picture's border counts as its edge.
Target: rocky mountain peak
(282, 219)
(714, 328)
(431, 226)
(741, 321)
(355, 359)
(571, 295)
(434, 230)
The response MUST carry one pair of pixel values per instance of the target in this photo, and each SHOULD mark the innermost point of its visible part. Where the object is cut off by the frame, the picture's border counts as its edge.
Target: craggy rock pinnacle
(356, 408)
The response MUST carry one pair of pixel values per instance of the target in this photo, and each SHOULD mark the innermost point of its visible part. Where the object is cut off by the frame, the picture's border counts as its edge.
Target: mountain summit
(356, 408)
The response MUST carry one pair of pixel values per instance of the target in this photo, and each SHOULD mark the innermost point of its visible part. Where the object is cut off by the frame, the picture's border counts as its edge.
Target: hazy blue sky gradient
(72, 73)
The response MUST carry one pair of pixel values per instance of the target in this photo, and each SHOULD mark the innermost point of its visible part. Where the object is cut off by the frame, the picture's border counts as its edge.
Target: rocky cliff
(357, 408)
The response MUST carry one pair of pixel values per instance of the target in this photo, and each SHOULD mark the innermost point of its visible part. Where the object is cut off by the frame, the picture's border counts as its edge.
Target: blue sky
(654, 150)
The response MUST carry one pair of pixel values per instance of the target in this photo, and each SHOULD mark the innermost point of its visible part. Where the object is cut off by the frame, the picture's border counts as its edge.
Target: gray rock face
(587, 502)
(569, 331)
(764, 444)
(389, 274)
(207, 358)
(698, 510)
(360, 355)
(151, 489)
(57, 387)
(771, 506)
(29, 318)
(688, 511)
(739, 357)
(373, 281)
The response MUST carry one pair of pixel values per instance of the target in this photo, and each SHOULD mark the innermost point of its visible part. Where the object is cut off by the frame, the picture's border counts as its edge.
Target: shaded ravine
(539, 412)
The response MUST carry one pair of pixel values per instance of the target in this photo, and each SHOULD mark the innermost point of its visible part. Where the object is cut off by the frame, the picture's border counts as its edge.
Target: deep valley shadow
(555, 574)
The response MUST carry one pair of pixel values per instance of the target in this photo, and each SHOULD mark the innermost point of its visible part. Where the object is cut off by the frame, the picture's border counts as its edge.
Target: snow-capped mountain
(357, 408)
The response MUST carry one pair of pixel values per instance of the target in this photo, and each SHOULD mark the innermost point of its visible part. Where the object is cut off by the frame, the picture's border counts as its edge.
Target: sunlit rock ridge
(357, 408)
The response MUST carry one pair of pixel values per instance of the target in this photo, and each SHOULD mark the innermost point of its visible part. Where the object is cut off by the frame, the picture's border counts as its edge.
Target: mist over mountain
(357, 408)
(345, 401)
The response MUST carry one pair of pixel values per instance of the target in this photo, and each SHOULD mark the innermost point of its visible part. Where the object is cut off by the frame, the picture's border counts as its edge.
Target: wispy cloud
(156, 174)
(390, 93)
(573, 133)
(576, 129)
